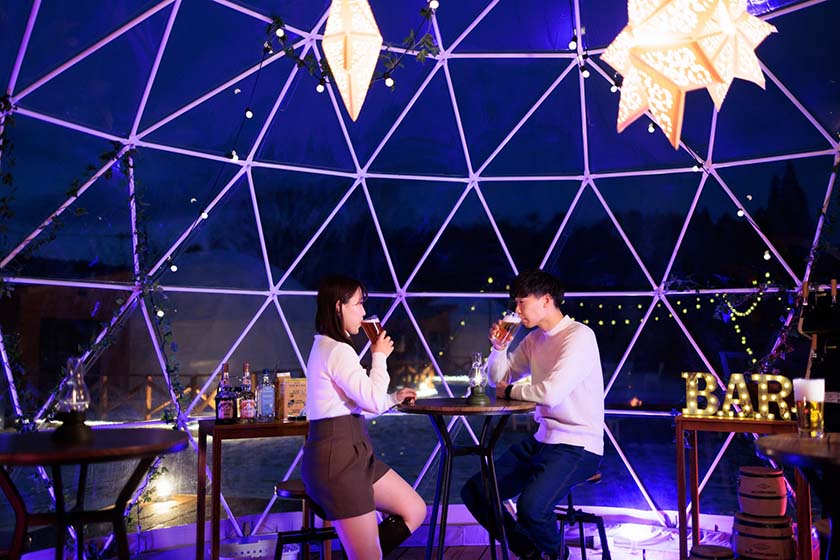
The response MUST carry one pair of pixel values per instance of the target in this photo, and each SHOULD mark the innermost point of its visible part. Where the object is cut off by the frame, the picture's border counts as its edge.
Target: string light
(280, 33)
(249, 114)
(160, 313)
(651, 128)
(584, 71)
(740, 213)
(204, 215)
(767, 256)
(573, 42)
(173, 268)
(389, 81)
(321, 86)
(234, 156)
(434, 4)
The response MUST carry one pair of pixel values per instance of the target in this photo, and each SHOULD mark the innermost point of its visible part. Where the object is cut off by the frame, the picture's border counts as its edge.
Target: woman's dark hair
(335, 288)
(537, 283)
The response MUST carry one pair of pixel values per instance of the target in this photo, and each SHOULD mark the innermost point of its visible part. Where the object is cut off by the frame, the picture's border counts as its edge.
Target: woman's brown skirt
(339, 467)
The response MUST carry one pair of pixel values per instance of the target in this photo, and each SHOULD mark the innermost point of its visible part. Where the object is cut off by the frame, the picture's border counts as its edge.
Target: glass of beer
(507, 329)
(372, 327)
(810, 402)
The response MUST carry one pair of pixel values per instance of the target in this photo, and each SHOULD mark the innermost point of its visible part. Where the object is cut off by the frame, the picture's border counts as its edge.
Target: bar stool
(308, 533)
(569, 514)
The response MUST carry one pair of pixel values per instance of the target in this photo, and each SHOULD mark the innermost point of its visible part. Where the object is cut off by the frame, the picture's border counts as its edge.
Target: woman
(340, 471)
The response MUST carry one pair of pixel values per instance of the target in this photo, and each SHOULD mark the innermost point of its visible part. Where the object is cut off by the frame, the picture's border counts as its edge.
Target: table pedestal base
(489, 436)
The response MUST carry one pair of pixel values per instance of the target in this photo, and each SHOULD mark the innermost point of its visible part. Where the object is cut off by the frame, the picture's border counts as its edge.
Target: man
(561, 356)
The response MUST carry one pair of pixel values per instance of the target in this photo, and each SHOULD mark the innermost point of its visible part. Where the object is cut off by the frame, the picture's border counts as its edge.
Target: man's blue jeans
(541, 474)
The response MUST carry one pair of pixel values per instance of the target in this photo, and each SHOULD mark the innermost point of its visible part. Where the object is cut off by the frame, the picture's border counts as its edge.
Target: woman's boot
(392, 532)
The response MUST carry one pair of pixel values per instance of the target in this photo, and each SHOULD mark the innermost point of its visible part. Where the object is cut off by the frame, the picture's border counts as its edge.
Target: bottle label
(225, 410)
(248, 409)
(267, 404)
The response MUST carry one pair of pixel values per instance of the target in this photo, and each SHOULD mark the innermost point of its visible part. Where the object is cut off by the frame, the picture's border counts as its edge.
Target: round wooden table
(819, 461)
(436, 409)
(34, 449)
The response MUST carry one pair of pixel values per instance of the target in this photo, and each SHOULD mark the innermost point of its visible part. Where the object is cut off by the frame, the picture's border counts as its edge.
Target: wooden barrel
(762, 491)
(763, 538)
(711, 552)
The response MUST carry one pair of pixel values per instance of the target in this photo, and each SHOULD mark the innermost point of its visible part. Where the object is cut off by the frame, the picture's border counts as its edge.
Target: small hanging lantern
(351, 44)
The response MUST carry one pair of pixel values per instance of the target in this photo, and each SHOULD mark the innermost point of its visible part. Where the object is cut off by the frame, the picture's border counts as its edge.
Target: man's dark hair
(537, 283)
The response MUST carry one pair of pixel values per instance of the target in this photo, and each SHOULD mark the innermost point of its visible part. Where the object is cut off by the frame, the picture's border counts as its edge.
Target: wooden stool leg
(326, 546)
(307, 522)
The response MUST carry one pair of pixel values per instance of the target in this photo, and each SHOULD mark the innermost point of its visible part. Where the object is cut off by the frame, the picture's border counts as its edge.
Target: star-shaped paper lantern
(351, 44)
(670, 47)
(729, 40)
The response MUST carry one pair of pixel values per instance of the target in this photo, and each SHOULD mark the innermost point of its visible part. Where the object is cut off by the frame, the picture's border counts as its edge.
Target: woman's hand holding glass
(383, 344)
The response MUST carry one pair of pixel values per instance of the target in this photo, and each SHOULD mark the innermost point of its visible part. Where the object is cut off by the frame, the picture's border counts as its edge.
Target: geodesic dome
(132, 234)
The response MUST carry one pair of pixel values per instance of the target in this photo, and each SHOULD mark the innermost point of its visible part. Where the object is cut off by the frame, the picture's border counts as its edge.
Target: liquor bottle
(226, 412)
(265, 398)
(247, 401)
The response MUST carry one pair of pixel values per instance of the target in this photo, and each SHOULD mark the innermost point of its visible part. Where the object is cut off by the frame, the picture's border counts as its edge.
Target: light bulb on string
(389, 81)
(740, 213)
(280, 33)
(249, 114)
(573, 42)
(434, 4)
(320, 87)
(651, 128)
(584, 71)
(174, 268)
(767, 257)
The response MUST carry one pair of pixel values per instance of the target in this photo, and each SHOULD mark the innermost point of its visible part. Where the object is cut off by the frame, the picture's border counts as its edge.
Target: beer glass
(810, 402)
(507, 329)
(372, 327)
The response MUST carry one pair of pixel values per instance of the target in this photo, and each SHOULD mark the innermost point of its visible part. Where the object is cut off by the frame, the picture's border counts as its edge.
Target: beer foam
(809, 389)
(512, 319)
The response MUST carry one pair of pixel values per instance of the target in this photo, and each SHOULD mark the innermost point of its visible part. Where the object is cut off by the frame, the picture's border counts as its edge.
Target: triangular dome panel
(651, 211)
(292, 208)
(299, 312)
(579, 267)
(635, 147)
(516, 85)
(650, 378)
(300, 110)
(435, 145)
(224, 249)
(201, 128)
(808, 78)
(383, 106)
(523, 33)
(107, 101)
(202, 343)
(409, 227)
(785, 199)
(754, 123)
(560, 151)
(91, 239)
(172, 191)
(528, 214)
(349, 230)
(34, 143)
(481, 266)
(181, 78)
(126, 370)
(266, 346)
(78, 29)
(720, 249)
